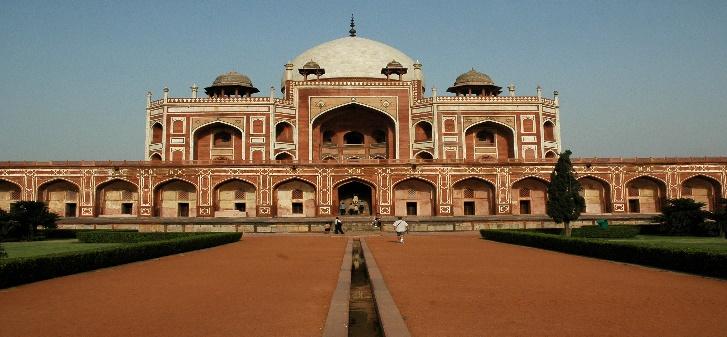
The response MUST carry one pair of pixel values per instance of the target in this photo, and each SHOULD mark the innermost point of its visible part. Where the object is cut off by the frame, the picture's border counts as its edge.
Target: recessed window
(353, 137)
(469, 208)
(634, 206)
(127, 208)
(240, 206)
(411, 208)
(524, 206)
(297, 208)
(183, 209)
(70, 210)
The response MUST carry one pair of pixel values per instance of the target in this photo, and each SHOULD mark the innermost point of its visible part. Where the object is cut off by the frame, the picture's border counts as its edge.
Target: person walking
(338, 224)
(376, 223)
(400, 226)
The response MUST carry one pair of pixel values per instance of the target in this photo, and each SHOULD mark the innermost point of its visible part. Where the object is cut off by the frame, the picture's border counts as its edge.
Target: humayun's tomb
(352, 130)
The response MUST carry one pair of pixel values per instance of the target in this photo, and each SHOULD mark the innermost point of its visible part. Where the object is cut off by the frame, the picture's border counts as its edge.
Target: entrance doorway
(183, 210)
(70, 210)
(356, 197)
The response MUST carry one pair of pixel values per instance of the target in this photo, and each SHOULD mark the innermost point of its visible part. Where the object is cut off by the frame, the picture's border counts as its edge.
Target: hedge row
(24, 270)
(130, 237)
(58, 233)
(686, 260)
(612, 232)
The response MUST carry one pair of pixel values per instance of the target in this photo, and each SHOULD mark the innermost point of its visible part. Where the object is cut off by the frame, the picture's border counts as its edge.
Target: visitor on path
(376, 223)
(400, 226)
(327, 228)
(338, 225)
(342, 208)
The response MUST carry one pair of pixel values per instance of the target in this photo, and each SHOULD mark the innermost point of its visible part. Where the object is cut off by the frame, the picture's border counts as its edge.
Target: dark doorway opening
(411, 208)
(469, 208)
(524, 206)
(357, 198)
(240, 206)
(634, 206)
(183, 209)
(297, 208)
(127, 208)
(70, 210)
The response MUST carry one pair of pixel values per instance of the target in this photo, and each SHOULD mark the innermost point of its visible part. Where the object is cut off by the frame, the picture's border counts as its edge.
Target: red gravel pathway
(260, 286)
(461, 285)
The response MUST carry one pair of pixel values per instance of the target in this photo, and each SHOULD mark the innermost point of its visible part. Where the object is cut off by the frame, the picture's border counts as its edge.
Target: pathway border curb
(392, 323)
(337, 319)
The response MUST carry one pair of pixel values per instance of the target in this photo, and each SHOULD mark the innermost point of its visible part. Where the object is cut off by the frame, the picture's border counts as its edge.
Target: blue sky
(636, 78)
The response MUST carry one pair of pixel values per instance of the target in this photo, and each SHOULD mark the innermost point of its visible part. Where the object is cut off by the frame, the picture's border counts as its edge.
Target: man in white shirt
(400, 226)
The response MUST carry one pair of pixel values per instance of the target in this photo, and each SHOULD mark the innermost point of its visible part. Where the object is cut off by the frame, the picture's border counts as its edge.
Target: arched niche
(295, 198)
(424, 155)
(489, 140)
(414, 197)
(354, 197)
(645, 195)
(353, 130)
(551, 155)
(422, 132)
(61, 196)
(217, 141)
(235, 198)
(597, 195)
(157, 133)
(284, 156)
(473, 197)
(155, 157)
(702, 189)
(175, 198)
(117, 198)
(10, 193)
(549, 131)
(529, 196)
(284, 132)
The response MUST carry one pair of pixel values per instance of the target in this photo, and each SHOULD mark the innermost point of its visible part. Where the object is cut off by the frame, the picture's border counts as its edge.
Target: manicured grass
(38, 248)
(706, 244)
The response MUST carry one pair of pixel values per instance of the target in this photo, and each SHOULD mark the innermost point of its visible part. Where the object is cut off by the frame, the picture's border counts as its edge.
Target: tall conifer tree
(565, 202)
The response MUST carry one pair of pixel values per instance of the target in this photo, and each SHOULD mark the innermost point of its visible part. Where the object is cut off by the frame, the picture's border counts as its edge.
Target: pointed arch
(529, 195)
(235, 197)
(597, 193)
(501, 143)
(424, 155)
(423, 131)
(354, 195)
(549, 131)
(10, 192)
(702, 188)
(61, 195)
(473, 196)
(284, 132)
(157, 133)
(295, 197)
(203, 144)
(117, 197)
(645, 194)
(414, 196)
(175, 197)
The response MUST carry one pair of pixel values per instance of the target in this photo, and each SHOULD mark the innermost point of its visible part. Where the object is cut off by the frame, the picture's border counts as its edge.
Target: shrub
(681, 259)
(682, 216)
(3, 254)
(129, 237)
(24, 217)
(622, 231)
(57, 233)
(25, 270)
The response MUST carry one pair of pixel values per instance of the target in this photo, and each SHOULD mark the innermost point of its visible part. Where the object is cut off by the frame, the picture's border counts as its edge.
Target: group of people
(400, 227)
(357, 206)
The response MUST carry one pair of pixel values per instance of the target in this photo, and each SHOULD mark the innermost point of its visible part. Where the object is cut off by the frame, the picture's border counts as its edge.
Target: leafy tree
(565, 202)
(720, 216)
(26, 216)
(682, 216)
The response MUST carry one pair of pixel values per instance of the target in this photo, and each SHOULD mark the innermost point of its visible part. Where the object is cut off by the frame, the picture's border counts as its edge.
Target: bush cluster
(686, 260)
(58, 233)
(25, 270)
(612, 232)
(130, 237)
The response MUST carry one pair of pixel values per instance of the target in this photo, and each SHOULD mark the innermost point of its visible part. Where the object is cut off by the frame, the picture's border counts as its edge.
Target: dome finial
(352, 31)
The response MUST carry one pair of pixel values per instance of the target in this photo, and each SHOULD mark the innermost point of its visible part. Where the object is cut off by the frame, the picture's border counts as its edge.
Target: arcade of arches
(408, 197)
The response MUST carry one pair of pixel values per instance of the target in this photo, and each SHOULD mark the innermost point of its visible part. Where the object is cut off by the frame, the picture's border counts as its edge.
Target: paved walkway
(461, 285)
(260, 286)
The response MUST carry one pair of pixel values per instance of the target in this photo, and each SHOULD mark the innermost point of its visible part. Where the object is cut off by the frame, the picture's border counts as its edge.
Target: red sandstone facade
(370, 141)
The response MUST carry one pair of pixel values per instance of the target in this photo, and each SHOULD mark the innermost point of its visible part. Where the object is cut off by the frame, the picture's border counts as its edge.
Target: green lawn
(712, 244)
(36, 248)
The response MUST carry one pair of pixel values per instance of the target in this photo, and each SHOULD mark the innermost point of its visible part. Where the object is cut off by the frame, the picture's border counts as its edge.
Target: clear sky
(636, 78)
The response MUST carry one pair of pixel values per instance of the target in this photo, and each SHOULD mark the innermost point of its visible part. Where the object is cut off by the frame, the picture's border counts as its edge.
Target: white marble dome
(353, 57)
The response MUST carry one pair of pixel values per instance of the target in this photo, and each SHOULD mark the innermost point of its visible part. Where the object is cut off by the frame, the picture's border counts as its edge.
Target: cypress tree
(565, 203)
